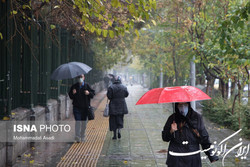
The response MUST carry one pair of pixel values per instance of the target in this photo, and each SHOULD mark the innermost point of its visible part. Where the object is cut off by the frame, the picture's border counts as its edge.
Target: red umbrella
(172, 95)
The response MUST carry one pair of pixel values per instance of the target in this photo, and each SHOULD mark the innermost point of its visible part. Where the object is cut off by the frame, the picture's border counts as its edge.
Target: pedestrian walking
(81, 93)
(117, 93)
(185, 131)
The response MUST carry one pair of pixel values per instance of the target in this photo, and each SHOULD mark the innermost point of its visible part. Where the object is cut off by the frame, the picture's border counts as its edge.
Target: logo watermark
(221, 149)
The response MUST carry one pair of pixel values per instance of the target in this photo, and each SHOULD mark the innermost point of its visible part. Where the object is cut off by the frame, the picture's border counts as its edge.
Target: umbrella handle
(174, 115)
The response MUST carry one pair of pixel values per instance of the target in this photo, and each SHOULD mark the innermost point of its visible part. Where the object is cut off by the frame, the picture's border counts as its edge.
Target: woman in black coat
(117, 106)
(185, 130)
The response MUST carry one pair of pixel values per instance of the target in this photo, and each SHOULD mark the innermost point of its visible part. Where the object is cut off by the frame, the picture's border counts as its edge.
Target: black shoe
(114, 137)
(119, 135)
(77, 139)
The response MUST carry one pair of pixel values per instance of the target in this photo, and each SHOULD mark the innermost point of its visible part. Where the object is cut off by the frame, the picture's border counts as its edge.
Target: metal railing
(25, 69)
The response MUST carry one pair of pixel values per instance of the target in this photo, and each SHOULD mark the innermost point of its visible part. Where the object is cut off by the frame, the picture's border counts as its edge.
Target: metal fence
(26, 69)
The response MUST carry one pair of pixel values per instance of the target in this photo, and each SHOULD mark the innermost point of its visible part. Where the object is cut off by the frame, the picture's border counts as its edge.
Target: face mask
(80, 80)
(183, 109)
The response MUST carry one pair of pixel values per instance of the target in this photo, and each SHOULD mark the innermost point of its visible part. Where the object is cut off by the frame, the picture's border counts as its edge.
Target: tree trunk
(234, 103)
(239, 94)
(175, 67)
(233, 93)
(239, 91)
(210, 86)
(222, 88)
(173, 53)
(227, 89)
(200, 79)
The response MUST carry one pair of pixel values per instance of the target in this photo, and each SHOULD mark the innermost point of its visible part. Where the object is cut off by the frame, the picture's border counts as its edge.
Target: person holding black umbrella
(185, 131)
(81, 93)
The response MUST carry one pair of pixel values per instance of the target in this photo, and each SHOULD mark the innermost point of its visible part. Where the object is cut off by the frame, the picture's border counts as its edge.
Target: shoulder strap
(196, 132)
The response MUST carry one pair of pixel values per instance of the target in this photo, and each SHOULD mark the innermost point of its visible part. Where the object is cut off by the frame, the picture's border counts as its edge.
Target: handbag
(91, 114)
(106, 110)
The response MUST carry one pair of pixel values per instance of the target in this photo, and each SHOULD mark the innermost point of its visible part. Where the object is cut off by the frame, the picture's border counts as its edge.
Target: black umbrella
(70, 70)
(112, 77)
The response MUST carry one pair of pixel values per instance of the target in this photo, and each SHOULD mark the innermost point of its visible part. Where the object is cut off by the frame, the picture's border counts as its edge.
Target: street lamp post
(192, 78)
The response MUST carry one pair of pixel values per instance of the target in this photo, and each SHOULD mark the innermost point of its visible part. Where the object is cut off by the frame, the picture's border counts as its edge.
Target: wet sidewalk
(141, 144)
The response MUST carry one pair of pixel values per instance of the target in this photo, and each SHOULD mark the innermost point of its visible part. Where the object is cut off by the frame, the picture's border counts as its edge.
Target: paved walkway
(87, 153)
(141, 144)
(50, 154)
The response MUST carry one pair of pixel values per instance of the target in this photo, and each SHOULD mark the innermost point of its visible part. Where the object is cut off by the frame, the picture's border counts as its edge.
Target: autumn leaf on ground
(163, 151)
(27, 155)
(32, 161)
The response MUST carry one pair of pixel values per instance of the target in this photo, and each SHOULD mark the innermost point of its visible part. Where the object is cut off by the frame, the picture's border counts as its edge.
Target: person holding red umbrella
(185, 128)
(185, 131)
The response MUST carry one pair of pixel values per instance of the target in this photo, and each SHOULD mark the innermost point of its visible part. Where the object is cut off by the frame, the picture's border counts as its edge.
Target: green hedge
(220, 112)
